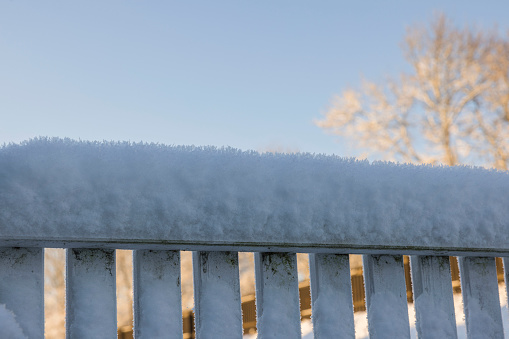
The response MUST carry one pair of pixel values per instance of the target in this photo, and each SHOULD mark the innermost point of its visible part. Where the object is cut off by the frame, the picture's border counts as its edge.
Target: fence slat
(434, 304)
(22, 287)
(157, 294)
(217, 303)
(91, 304)
(331, 296)
(481, 301)
(386, 301)
(277, 295)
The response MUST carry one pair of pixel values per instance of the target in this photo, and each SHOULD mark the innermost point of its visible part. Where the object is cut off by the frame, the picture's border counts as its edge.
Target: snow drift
(124, 192)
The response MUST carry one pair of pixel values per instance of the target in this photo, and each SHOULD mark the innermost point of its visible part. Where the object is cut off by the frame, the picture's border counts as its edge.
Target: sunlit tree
(451, 108)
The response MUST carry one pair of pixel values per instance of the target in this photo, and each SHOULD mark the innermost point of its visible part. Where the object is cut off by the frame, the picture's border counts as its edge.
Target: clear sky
(246, 74)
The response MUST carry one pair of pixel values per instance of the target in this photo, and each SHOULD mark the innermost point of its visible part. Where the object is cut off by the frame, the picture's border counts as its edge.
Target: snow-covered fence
(93, 198)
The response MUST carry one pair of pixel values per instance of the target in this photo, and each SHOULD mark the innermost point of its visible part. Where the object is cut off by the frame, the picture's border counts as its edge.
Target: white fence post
(479, 287)
(277, 295)
(386, 300)
(91, 303)
(331, 296)
(433, 300)
(157, 294)
(22, 287)
(217, 304)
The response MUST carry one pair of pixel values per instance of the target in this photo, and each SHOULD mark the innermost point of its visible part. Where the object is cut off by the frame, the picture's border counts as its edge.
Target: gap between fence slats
(505, 262)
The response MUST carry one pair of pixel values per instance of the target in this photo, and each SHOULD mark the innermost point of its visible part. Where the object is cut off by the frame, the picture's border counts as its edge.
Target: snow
(333, 320)
(9, 328)
(119, 191)
(384, 320)
(436, 324)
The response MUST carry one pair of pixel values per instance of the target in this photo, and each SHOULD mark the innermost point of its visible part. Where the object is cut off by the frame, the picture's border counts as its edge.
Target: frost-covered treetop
(60, 189)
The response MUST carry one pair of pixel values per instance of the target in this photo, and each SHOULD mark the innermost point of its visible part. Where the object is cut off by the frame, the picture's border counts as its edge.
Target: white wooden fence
(91, 298)
(94, 199)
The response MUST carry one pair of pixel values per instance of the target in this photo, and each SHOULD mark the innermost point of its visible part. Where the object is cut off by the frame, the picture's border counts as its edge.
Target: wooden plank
(433, 300)
(157, 294)
(331, 296)
(277, 295)
(481, 302)
(258, 244)
(22, 288)
(91, 304)
(217, 304)
(386, 301)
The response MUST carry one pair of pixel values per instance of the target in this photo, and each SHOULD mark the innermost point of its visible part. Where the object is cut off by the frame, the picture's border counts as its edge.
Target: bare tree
(451, 108)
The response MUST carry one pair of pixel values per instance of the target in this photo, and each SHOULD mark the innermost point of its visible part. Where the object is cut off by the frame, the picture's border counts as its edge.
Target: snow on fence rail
(93, 198)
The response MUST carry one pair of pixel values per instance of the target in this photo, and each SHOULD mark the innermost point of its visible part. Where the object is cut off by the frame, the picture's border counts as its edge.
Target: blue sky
(246, 74)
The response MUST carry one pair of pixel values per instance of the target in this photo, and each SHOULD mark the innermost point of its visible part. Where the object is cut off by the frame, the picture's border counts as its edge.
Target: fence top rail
(59, 192)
